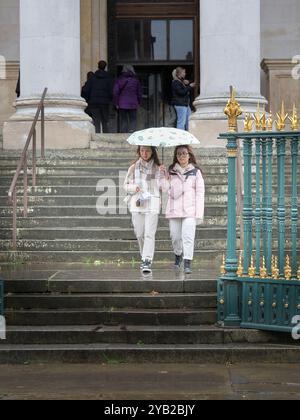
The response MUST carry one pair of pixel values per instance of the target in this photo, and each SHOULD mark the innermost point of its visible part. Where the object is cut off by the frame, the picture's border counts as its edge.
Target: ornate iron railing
(261, 288)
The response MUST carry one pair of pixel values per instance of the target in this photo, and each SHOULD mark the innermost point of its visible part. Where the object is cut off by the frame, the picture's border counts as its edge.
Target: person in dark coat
(84, 94)
(181, 97)
(98, 94)
(18, 87)
(128, 98)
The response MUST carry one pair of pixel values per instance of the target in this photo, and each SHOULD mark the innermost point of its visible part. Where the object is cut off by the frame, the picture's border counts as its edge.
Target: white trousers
(145, 227)
(183, 233)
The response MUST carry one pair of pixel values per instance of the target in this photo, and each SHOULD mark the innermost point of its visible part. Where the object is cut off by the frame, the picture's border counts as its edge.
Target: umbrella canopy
(162, 137)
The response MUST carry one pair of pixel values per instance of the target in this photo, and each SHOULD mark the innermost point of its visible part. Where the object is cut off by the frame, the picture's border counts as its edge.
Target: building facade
(253, 45)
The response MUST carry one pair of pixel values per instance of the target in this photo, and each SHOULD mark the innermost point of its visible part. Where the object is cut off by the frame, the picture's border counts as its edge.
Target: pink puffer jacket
(186, 194)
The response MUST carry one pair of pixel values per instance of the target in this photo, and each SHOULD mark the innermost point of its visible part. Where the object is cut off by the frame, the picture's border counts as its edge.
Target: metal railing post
(43, 132)
(258, 206)
(232, 295)
(294, 212)
(281, 210)
(248, 210)
(269, 209)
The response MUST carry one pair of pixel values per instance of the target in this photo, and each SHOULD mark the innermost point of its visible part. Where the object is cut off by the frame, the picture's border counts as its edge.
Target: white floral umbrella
(163, 137)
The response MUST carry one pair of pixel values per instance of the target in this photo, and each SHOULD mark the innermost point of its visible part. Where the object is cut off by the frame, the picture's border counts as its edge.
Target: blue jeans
(183, 115)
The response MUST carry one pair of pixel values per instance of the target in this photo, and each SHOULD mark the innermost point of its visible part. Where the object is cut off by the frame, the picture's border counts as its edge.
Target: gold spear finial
(263, 270)
(223, 266)
(281, 118)
(298, 273)
(270, 122)
(248, 123)
(258, 118)
(240, 267)
(264, 120)
(288, 269)
(252, 270)
(233, 111)
(275, 270)
(294, 119)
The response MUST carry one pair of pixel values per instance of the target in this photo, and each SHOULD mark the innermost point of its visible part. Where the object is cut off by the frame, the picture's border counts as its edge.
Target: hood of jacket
(101, 74)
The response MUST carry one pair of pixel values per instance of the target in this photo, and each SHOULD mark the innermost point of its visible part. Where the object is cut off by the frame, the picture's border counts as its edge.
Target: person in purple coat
(128, 98)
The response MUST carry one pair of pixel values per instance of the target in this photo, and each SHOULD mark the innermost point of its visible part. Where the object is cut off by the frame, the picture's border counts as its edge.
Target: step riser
(213, 257)
(110, 286)
(120, 222)
(52, 181)
(144, 337)
(89, 211)
(101, 246)
(98, 171)
(106, 233)
(90, 191)
(209, 355)
(121, 301)
(92, 200)
(111, 318)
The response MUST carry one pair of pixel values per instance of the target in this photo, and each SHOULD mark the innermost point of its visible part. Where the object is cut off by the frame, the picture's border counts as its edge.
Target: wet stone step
(95, 317)
(146, 301)
(142, 335)
(121, 353)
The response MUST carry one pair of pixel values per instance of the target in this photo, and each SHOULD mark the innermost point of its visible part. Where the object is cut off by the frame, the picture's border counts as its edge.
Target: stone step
(107, 169)
(100, 160)
(96, 222)
(141, 335)
(119, 245)
(105, 233)
(76, 201)
(112, 301)
(51, 181)
(66, 317)
(90, 284)
(90, 200)
(92, 211)
(91, 190)
(121, 353)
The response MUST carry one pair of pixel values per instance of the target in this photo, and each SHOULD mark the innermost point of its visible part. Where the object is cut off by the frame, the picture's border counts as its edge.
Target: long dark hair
(154, 155)
(192, 159)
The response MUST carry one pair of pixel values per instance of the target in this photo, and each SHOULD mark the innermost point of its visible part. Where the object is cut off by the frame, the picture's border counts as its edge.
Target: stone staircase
(66, 220)
(79, 296)
(76, 314)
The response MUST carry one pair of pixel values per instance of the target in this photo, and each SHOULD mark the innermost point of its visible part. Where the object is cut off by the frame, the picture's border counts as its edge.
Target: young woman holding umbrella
(185, 208)
(142, 186)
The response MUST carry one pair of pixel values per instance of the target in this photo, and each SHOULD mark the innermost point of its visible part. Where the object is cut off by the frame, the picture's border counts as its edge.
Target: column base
(67, 126)
(208, 131)
(59, 135)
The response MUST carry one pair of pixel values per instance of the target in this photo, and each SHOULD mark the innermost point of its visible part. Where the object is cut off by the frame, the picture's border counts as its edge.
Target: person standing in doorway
(98, 93)
(185, 209)
(181, 97)
(84, 94)
(142, 186)
(128, 98)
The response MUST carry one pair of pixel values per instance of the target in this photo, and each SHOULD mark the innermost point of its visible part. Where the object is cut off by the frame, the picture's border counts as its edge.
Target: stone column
(50, 57)
(230, 55)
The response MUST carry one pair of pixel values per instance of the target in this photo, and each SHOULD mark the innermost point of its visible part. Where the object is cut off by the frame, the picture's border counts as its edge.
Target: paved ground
(152, 382)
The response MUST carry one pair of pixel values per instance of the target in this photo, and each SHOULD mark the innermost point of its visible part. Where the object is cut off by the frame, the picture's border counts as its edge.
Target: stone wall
(10, 51)
(280, 26)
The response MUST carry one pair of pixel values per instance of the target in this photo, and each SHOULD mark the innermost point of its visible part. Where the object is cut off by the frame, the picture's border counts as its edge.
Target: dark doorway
(155, 37)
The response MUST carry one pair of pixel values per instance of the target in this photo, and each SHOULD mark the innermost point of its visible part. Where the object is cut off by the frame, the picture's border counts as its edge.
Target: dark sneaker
(146, 268)
(187, 267)
(178, 261)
